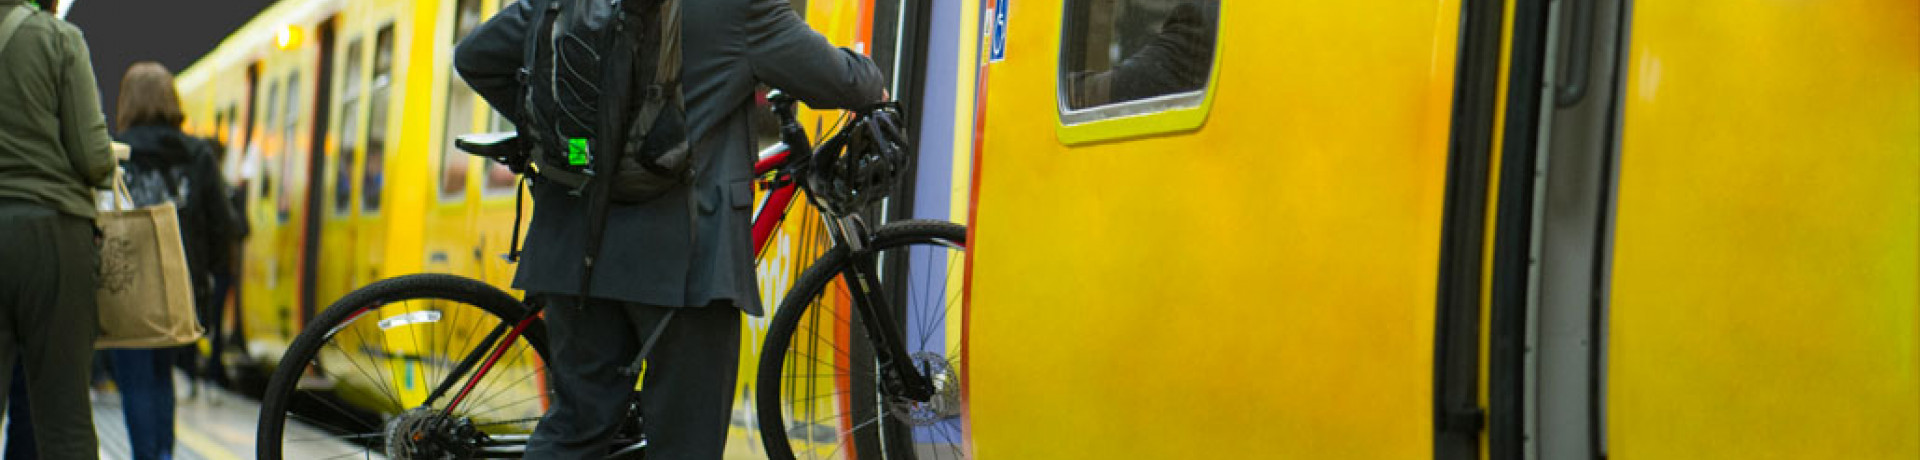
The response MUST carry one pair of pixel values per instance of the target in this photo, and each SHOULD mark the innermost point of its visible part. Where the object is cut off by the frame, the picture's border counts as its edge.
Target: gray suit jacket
(651, 255)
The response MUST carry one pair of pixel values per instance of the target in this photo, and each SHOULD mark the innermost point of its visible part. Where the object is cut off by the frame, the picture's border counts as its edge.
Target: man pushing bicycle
(639, 241)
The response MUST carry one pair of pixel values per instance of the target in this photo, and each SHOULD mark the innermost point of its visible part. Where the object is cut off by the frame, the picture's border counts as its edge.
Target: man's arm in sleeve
(784, 53)
(83, 130)
(489, 58)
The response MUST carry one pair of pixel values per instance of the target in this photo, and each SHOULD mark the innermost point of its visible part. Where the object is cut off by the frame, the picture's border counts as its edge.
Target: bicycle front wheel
(356, 382)
(818, 392)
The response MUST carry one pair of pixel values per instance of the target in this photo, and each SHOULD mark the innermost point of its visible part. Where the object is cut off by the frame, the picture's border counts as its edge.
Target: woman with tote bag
(167, 166)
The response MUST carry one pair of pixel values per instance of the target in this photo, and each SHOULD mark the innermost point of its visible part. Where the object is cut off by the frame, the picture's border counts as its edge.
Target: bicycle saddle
(491, 145)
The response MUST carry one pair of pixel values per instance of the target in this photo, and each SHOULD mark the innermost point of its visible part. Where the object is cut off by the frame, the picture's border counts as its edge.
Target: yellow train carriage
(1449, 229)
(329, 109)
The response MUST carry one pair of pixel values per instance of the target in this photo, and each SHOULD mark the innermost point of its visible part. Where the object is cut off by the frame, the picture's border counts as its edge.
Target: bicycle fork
(895, 364)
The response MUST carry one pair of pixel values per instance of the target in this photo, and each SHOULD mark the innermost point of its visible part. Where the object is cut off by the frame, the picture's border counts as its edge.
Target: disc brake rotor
(945, 403)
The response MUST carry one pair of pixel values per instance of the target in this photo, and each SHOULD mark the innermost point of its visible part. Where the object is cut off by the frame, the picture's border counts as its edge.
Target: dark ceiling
(173, 32)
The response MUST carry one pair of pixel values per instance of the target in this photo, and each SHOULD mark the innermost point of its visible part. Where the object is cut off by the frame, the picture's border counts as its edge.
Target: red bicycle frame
(773, 211)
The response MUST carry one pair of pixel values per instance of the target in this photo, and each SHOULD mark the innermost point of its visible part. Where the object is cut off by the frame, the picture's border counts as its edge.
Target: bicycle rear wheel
(818, 393)
(354, 384)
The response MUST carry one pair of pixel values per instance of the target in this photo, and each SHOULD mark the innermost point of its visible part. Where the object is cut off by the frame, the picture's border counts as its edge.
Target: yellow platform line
(200, 444)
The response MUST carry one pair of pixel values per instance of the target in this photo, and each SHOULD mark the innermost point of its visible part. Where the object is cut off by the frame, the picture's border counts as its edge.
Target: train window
(230, 146)
(233, 126)
(460, 104)
(374, 169)
(289, 153)
(1130, 57)
(219, 131)
(348, 136)
(268, 119)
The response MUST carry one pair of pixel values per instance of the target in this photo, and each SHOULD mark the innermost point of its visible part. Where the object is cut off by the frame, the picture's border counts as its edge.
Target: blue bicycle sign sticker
(999, 50)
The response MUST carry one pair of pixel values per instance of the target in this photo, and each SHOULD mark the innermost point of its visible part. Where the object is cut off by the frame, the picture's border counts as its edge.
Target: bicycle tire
(283, 392)
(893, 436)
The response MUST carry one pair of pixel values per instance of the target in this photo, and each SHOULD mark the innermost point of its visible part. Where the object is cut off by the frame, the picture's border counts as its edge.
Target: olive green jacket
(54, 148)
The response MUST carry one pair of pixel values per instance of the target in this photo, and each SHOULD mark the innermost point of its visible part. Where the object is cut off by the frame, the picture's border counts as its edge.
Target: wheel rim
(368, 377)
(827, 362)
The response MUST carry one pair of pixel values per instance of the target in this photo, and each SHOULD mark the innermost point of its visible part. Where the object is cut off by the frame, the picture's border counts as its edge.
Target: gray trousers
(687, 400)
(48, 269)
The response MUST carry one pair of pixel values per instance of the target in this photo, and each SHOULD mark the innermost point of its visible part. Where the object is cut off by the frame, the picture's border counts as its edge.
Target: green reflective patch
(577, 151)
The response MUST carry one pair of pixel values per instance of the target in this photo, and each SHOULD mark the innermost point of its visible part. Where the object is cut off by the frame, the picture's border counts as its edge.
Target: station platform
(213, 424)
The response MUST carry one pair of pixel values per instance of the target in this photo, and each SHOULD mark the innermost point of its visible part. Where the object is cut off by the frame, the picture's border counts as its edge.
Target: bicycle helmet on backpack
(866, 163)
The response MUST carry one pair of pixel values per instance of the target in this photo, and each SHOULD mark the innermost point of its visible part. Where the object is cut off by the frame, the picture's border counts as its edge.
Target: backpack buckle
(655, 92)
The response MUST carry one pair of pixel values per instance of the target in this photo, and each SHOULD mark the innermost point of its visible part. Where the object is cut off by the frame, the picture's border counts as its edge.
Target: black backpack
(602, 112)
(601, 98)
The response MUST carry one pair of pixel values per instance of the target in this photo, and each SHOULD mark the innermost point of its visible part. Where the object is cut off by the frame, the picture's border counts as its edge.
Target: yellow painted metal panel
(409, 172)
(1261, 287)
(1766, 294)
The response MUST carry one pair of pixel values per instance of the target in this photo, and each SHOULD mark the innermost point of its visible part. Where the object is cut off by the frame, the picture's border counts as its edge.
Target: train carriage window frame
(380, 95)
(290, 163)
(347, 110)
(269, 173)
(497, 182)
(456, 166)
(1100, 120)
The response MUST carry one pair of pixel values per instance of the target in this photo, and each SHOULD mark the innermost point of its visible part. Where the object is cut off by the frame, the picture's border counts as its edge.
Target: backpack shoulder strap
(667, 70)
(659, 77)
(11, 24)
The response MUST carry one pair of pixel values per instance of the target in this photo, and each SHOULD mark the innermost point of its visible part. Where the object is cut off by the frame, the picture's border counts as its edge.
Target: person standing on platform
(54, 153)
(166, 165)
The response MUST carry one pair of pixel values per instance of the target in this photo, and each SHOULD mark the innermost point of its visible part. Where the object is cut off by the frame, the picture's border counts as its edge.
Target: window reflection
(378, 101)
(1126, 50)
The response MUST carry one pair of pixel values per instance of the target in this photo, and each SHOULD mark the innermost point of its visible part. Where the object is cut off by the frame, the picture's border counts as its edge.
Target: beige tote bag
(146, 293)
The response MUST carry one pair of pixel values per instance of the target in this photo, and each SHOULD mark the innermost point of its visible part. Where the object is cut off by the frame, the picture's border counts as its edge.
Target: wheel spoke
(348, 355)
(370, 356)
(824, 371)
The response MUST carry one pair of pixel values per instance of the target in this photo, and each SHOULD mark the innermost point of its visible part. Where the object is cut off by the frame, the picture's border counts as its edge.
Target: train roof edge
(255, 38)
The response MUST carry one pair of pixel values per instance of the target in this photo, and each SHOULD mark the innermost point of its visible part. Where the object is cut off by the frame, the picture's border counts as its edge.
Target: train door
(370, 227)
(1764, 298)
(273, 160)
(336, 270)
(498, 185)
(1207, 229)
(245, 265)
(1547, 242)
(1704, 232)
(456, 238)
(288, 164)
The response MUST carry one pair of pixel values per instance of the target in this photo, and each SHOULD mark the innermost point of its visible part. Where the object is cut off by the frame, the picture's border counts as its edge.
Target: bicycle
(855, 364)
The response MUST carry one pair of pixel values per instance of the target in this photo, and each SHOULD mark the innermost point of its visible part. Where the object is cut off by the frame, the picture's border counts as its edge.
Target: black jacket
(728, 47)
(168, 165)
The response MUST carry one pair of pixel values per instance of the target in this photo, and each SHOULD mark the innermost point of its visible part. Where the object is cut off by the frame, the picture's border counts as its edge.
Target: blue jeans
(145, 378)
